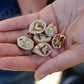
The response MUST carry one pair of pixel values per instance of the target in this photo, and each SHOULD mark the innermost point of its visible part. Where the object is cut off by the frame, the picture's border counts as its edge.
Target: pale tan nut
(43, 49)
(25, 43)
(58, 41)
(40, 38)
(37, 27)
(51, 30)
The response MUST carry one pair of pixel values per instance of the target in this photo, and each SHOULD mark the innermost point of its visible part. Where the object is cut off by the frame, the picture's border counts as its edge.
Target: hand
(31, 6)
(67, 15)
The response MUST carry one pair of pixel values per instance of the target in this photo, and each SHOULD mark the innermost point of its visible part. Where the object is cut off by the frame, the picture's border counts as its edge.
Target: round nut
(51, 30)
(43, 49)
(40, 38)
(58, 41)
(37, 27)
(25, 43)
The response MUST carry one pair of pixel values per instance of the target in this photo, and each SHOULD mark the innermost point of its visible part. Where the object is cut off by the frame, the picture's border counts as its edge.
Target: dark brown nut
(58, 41)
(43, 49)
(25, 43)
(37, 27)
(51, 30)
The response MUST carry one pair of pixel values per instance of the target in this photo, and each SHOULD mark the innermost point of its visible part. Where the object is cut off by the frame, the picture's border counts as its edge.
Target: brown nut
(40, 38)
(25, 43)
(51, 30)
(58, 41)
(37, 27)
(43, 49)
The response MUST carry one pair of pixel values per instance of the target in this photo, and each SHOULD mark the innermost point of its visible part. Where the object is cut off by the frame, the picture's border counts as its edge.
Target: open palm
(67, 15)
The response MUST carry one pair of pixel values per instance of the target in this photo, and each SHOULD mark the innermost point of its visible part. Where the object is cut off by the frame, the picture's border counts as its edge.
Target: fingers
(7, 50)
(17, 23)
(11, 37)
(31, 6)
(23, 22)
(22, 63)
(65, 60)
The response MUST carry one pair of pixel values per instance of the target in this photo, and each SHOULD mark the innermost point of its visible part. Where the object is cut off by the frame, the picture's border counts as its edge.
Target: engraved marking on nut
(51, 30)
(37, 27)
(41, 38)
(58, 41)
(25, 43)
(43, 49)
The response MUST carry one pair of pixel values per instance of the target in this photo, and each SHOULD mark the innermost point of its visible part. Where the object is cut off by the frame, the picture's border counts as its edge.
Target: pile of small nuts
(44, 38)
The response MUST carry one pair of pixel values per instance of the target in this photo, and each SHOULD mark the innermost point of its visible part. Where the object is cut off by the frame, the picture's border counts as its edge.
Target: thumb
(67, 59)
(30, 6)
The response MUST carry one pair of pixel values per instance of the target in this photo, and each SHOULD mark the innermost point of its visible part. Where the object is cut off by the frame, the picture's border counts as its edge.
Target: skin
(31, 6)
(68, 16)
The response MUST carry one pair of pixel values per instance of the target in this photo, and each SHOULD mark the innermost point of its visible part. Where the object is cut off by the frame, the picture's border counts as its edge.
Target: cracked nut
(43, 49)
(51, 30)
(58, 41)
(25, 43)
(37, 27)
(40, 38)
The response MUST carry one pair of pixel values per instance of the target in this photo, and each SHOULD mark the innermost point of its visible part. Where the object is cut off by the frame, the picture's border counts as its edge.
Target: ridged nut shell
(40, 38)
(58, 41)
(51, 30)
(43, 49)
(25, 43)
(37, 27)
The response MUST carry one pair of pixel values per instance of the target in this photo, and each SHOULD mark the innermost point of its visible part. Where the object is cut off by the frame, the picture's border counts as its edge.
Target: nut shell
(40, 38)
(25, 43)
(43, 49)
(37, 27)
(51, 30)
(58, 41)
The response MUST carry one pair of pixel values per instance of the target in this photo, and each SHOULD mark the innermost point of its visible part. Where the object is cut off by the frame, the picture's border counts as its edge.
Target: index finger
(16, 23)
(23, 22)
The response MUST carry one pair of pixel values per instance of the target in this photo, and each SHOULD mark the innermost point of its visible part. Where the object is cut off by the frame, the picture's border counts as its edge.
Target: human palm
(67, 15)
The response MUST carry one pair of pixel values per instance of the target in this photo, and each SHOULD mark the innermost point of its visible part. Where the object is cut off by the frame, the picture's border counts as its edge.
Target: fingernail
(41, 76)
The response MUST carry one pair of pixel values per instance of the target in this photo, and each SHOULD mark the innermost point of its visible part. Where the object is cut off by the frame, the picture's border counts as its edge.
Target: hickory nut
(58, 41)
(25, 43)
(51, 30)
(43, 49)
(40, 38)
(37, 27)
